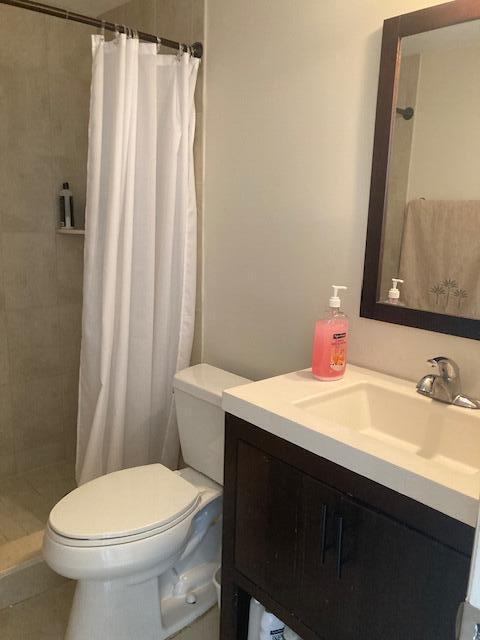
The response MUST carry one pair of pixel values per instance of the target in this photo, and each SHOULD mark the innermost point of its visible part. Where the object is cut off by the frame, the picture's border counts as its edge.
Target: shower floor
(26, 499)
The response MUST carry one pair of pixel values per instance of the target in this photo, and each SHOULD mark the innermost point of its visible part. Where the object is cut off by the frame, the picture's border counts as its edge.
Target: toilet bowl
(144, 543)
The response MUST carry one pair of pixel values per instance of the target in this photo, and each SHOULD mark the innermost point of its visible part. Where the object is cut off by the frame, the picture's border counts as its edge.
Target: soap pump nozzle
(334, 302)
(394, 293)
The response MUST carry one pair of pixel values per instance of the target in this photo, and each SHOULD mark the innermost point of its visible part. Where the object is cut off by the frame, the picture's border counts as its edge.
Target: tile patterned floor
(45, 617)
(27, 499)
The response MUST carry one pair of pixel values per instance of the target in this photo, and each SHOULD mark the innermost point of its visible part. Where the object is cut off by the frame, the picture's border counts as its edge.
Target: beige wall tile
(4, 359)
(39, 457)
(29, 264)
(174, 20)
(33, 343)
(6, 426)
(27, 201)
(23, 43)
(70, 104)
(69, 49)
(141, 15)
(25, 106)
(2, 288)
(69, 268)
(7, 464)
(70, 336)
(45, 72)
(37, 412)
(70, 410)
(116, 16)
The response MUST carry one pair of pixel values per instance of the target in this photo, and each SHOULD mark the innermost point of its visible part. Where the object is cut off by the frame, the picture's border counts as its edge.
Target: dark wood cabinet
(266, 529)
(333, 554)
(397, 583)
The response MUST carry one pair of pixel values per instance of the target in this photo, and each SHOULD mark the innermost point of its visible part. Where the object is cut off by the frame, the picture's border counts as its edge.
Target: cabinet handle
(339, 546)
(324, 532)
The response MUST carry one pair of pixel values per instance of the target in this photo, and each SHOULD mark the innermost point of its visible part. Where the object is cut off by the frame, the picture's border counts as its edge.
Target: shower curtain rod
(196, 48)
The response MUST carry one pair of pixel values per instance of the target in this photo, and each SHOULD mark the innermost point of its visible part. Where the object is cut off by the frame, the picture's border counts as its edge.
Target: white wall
(291, 93)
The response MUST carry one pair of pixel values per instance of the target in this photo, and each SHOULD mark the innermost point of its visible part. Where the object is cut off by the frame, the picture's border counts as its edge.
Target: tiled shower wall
(45, 72)
(183, 21)
(44, 102)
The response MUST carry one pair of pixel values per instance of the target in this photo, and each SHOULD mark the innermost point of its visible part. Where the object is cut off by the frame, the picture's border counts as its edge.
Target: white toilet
(144, 543)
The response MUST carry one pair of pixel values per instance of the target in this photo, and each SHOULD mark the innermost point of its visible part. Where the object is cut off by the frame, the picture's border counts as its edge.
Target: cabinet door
(319, 596)
(267, 522)
(394, 582)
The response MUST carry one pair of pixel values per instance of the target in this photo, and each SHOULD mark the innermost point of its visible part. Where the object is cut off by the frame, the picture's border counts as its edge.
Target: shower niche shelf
(71, 232)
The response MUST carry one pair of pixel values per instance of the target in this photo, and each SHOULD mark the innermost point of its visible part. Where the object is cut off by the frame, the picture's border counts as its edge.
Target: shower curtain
(140, 255)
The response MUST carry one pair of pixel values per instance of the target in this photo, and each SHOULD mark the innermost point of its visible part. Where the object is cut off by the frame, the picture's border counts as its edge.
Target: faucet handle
(446, 367)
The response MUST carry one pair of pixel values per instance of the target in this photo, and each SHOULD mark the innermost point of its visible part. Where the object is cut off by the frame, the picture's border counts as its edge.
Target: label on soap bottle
(338, 351)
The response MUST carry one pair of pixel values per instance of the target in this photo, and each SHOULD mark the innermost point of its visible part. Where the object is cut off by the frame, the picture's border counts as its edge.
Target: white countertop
(273, 405)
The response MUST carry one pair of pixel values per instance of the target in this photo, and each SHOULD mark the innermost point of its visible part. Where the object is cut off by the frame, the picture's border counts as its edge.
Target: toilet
(144, 543)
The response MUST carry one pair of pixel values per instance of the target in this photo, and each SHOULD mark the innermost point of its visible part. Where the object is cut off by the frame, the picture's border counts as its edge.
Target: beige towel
(440, 258)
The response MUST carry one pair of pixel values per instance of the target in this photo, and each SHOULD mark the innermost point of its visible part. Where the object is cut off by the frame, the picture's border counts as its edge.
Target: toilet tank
(201, 420)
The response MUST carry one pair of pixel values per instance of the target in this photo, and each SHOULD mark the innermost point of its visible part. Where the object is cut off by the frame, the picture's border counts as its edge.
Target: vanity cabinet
(334, 555)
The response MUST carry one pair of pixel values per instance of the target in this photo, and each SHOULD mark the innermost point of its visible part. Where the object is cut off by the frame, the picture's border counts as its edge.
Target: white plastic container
(394, 293)
(254, 619)
(288, 634)
(271, 628)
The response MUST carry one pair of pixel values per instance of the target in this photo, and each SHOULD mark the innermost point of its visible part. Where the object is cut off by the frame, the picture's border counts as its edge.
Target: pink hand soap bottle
(330, 343)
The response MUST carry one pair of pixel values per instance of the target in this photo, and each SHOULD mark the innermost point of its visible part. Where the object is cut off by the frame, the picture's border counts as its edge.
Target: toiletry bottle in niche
(394, 293)
(66, 207)
(330, 344)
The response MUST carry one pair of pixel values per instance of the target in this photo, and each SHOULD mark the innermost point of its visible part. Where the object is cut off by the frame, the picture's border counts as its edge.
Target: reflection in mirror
(431, 236)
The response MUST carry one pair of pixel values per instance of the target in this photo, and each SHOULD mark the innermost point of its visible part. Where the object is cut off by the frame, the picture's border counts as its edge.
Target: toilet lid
(124, 503)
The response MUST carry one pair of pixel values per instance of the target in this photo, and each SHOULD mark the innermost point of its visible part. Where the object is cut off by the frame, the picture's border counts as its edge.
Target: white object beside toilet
(144, 543)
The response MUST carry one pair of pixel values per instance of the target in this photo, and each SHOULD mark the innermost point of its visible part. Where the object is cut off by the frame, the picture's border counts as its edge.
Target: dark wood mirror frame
(394, 29)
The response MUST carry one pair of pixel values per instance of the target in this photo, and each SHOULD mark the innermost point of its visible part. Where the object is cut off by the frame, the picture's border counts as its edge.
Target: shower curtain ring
(159, 44)
(67, 14)
(102, 32)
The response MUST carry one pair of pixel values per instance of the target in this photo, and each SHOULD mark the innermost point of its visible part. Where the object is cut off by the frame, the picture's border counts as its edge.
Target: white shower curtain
(140, 255)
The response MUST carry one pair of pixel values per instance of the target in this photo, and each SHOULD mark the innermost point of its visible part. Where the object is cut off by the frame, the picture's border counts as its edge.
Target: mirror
(425, 200)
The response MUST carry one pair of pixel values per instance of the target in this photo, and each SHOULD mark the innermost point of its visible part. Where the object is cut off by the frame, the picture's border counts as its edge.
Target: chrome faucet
(444, 384)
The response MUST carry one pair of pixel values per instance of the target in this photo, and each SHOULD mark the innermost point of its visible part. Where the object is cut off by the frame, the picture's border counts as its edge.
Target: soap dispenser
(329, 358)
(394, 293)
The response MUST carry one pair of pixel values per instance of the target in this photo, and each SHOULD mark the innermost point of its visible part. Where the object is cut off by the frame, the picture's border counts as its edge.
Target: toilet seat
(123, 506)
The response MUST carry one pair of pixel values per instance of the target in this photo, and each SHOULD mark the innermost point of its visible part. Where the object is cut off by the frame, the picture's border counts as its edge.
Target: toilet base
(109, 611)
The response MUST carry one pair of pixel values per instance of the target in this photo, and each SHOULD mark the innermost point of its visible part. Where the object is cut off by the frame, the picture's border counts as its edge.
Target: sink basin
(445, 435)
(377, 426)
